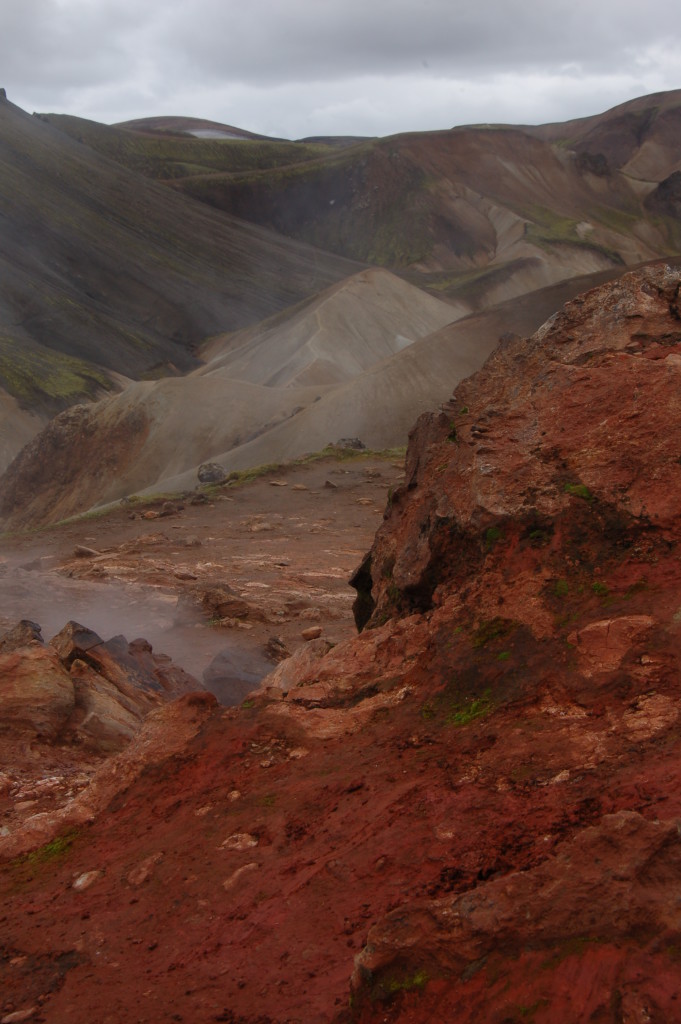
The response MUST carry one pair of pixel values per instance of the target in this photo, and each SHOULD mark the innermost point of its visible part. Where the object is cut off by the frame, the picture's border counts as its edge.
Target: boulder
(211, 473)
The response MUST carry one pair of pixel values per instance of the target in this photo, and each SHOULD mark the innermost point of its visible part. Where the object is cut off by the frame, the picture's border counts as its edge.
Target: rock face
(469, 812)
(71, 702)
(552, 464)
(81, 687)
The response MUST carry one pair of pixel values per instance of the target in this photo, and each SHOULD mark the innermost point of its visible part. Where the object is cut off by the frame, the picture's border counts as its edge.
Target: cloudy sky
(293, 68)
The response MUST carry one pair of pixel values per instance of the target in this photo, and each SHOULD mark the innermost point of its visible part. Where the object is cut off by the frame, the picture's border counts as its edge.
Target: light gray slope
(333, 337)
(381, 405)
(154, 435)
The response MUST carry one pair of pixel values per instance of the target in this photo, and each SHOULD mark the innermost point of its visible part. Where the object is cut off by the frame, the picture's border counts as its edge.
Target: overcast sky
(293, 68)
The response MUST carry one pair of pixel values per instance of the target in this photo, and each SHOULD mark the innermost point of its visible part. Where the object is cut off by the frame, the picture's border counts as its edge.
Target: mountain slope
(469, 812)
(461, 211)
(153, 431)
(154, 435)
(538, 204)
(102, 271)
(333, 337)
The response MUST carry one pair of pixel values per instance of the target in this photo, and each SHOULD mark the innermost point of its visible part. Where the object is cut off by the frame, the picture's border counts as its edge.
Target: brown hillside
(559, 200)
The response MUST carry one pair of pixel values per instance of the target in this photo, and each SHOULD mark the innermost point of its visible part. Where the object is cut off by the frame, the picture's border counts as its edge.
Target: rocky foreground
(469, 812)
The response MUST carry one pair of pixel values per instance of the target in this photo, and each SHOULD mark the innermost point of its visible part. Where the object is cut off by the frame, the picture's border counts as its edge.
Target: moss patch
(32, 373)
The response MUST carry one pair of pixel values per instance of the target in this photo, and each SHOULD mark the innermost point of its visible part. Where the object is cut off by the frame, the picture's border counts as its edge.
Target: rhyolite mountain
(114, 272)
(506, 208)
(107, 275)
(469, 811)
(360, 360)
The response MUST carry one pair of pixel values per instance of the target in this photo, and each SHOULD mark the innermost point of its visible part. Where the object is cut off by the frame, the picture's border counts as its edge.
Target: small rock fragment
(276, 649)
(141, 873)
(85, 880)
(19, 1015)
(311, 633)
(239, 841)
(82, 551)
(236, 875)
(168, 508)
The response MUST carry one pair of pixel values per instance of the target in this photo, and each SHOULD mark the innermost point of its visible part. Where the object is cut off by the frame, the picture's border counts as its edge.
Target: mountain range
(245, 300)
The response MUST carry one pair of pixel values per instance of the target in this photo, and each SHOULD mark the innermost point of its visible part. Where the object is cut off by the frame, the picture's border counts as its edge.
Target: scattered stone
(276, 649)
(183, 574)
(236, 875)
(19, 1015)
(150, 514)
(299, 487)
(198, 499)
(278, 483)
(349, 443)
(261, 527)
(141, 873)
(311, 633)
(85, 880)
(239, 841)
(211, 473)
(82, 551)
(331, 485)
(169, 508)
(192, 541)
(225, 603)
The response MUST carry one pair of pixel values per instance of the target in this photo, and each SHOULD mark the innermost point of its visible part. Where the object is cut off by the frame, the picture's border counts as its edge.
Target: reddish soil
(469, 812)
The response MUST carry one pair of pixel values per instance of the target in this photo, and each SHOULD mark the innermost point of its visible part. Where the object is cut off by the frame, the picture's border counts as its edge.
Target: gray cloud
(354, 66)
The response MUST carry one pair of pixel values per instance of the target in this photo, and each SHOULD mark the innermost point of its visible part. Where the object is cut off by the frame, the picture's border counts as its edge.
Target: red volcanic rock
(36, 692)
(469, 812)
(564, 443)
(611, 884)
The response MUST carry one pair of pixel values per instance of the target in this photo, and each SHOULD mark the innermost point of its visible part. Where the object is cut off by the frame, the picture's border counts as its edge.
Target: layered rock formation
(64, 707)
(467, 813)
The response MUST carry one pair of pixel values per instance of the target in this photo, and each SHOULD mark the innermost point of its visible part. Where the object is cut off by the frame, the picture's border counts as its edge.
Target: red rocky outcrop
(469, 812)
